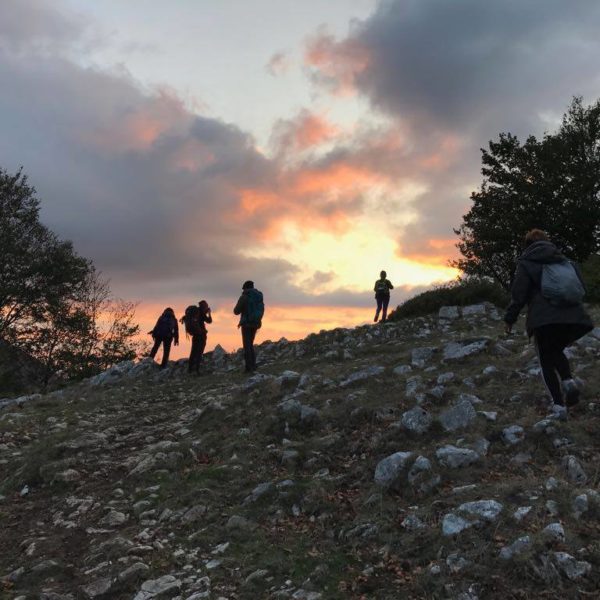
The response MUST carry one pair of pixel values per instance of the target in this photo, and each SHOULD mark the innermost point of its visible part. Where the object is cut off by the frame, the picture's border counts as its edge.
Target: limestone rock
(458, 416)
(390, 469)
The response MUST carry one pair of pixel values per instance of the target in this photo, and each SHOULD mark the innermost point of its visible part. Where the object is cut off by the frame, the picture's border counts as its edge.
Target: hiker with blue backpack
(382, 295)
(251, 309)
(552, 288)
(165, 332)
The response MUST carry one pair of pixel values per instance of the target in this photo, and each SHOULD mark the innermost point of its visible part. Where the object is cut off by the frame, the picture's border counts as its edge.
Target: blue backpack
(255, 309)
(561, 285)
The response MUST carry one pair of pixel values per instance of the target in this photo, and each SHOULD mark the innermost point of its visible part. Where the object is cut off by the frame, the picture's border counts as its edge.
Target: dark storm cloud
(464, 71)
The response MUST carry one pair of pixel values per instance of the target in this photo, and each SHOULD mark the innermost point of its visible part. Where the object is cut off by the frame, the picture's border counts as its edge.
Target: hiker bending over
(165, 331)
(553, 289)
(382, 295)
(195, 320)
(251, 308)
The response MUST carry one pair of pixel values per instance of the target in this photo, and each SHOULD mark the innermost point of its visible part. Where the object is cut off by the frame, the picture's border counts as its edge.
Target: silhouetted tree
(552, 184)
(53, 303)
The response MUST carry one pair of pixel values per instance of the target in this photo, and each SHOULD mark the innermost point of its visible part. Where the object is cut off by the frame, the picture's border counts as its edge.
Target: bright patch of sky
(215, 54)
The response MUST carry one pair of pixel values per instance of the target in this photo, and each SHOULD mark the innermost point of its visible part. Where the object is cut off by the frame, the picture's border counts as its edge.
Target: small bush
(458, 293)
(590, 270)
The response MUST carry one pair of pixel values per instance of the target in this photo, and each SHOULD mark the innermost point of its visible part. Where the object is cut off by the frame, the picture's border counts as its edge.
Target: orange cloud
(317, 197)
(335, 65)
(434, 252)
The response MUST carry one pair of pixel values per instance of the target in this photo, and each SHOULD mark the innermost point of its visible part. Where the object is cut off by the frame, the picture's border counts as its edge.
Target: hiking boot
(558, 412)
(571, 392)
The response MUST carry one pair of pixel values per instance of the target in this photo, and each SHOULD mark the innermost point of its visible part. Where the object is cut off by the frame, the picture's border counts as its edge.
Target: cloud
(278, 64)
(448, 76)
(305, 131)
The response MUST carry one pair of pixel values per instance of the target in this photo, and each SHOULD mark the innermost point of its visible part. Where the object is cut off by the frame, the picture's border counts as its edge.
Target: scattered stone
(574, 470)
(420, 356)
(389, 470)
(97, 588)
(194, 514)
(416, 420)
(166, 586)
(453, 524)
(445, 378)
(554, 532)
(457, 350)
(521, 513)
(458, 416)
(133, 573)
(402, 370)
(488, 510)
(453, 457)
(114, 519)
(456, 563)
(513, 435)
(412, 523)
(574, 569)
(448, 313)
(362, 375)
(262, 490)
(519, 546)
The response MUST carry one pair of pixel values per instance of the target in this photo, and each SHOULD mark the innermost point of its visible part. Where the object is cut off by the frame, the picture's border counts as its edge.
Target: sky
(188, 146)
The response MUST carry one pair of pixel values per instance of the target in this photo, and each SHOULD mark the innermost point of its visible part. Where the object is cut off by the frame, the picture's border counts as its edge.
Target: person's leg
(155, 347)
(546, 352)
(252, 351)
(193, 354)
(166, 351)
(248, 334)
(200, 351)
(385, 302)
(379, 307)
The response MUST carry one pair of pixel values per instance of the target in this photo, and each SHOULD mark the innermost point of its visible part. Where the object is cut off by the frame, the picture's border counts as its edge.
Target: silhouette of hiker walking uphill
(553, 289)
(382, 296)
(251, 308)
(195, 320)
(165, 331)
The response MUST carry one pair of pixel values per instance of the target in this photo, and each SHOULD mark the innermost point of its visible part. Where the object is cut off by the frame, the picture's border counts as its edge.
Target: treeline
(54, 305)
(551, 184)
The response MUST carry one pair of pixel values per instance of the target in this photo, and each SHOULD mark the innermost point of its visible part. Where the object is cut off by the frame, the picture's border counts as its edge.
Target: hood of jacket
(542, 252)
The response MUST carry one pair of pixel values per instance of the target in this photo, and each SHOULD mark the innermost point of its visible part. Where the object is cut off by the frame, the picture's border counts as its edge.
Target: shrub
(458, 293)
(591, 275)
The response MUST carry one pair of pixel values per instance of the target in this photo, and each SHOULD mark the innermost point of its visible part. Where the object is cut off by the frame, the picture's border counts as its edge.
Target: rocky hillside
(401, 460)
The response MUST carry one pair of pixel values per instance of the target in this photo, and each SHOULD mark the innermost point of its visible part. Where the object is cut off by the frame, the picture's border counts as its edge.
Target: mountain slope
(404, 460)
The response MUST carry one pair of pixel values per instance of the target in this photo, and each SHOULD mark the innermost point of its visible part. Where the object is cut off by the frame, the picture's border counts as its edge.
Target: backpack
(164, 327)
(381, 286)
(561, 285)
(191, 319)
(255, 309)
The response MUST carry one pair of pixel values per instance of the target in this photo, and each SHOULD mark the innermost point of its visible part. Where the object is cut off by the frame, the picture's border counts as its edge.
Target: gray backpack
(561, 285)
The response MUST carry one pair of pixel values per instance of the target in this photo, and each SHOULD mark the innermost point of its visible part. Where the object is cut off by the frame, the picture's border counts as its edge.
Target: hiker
(553, 289)
(165, 332)
(382, 296)
(251, 308)
(195, 319)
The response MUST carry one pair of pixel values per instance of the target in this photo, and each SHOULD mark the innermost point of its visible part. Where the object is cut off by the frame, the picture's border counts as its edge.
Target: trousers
(166, 342)
(198, 346)
(382, 305)
(248, 335)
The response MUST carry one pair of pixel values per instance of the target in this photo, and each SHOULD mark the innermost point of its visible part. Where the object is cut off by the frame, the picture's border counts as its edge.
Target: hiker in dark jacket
(250, 307)
(165, 332)
(554, 324)
(382, 295)
(195, 320)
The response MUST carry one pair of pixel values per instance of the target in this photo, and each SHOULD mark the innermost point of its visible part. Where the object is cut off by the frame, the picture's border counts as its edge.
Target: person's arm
(241, 304)
(176, 332)
(375, 286)
(519, 295)
(390, 286)
(208, 317)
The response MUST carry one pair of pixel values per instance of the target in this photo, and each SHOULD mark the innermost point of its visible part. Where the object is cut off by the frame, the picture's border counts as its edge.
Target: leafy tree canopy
(551, 184)
(53, 303)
